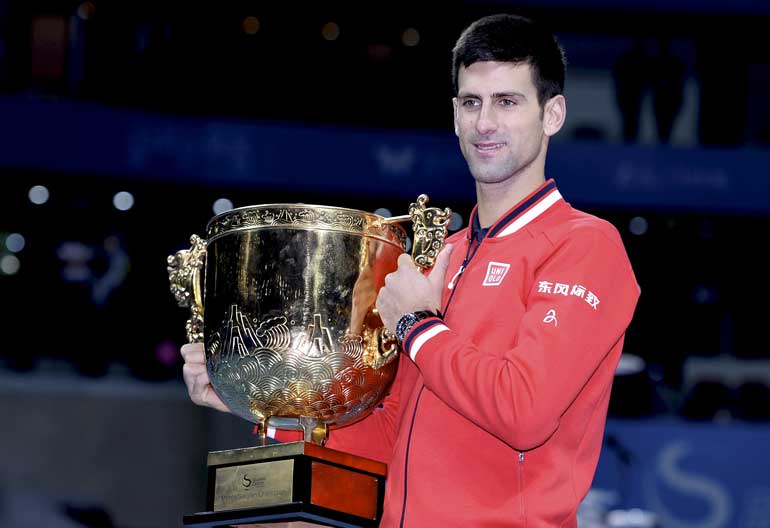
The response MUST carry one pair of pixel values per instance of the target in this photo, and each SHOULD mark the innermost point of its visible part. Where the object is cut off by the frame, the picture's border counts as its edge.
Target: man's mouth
(488, 146)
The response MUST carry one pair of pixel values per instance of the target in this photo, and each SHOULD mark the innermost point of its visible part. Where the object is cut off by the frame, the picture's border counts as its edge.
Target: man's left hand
(408, 290)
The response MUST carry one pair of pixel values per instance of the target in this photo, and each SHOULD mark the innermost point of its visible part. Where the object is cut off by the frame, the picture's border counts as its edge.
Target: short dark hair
(516, 39)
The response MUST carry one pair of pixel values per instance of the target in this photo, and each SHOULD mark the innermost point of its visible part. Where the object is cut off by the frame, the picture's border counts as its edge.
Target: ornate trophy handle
(184, 274)
(381, 346)
(430, 226)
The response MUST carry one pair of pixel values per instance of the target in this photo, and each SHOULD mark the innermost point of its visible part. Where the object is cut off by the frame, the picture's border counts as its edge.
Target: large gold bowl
(290, 328)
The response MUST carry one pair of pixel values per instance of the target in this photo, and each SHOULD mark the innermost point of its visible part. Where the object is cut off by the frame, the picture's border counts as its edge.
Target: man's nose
(487, 121)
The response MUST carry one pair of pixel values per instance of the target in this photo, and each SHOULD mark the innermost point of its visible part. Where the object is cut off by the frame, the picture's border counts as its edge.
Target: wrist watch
(408, 320)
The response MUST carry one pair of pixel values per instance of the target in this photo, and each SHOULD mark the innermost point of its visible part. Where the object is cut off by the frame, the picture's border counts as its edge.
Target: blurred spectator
(649, 66)
(631, 80)
(668, 76)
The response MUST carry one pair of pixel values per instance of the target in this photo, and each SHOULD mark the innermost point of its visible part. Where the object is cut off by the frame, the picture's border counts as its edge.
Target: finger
(201, 384)
(213, 400)
(193, 350)
(190, 347)
(206, 395)
(439, 270)
(404, 260)
(199, 388)
(197, 358)
(379, 302)
(193, 369)
(383, 305)
(407, 265)
(190, 374)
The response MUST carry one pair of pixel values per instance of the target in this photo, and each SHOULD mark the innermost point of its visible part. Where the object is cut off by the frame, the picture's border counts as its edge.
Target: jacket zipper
(456, 282)
(406, 459)
(521, 488)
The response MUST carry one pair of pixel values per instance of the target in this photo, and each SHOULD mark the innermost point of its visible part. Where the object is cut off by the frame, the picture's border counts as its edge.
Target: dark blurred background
(125, 126)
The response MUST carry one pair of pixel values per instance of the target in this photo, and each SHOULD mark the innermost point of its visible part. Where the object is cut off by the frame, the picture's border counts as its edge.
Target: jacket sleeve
(520, 394)
(372, 437)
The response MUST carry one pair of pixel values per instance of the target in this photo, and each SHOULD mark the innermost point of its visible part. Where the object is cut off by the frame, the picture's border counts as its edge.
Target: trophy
(293, 340)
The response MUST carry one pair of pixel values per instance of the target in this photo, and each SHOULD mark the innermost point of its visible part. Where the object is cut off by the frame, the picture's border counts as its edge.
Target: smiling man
(497, 414)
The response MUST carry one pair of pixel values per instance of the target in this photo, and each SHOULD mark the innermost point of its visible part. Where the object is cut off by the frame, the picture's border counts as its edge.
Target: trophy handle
(430, 225)
(184, 274)
(381, 346)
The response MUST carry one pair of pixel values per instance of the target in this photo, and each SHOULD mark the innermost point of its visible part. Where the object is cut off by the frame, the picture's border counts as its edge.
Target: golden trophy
(293, 340)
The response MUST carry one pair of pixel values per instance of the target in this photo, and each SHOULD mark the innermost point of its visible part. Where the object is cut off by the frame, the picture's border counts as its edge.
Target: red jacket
(496, 416)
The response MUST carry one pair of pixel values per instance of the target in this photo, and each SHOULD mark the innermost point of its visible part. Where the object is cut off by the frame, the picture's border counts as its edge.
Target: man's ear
(454, 110)
(554, 114)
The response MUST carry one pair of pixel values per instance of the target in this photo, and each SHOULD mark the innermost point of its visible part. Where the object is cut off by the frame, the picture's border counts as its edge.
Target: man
(496, 416)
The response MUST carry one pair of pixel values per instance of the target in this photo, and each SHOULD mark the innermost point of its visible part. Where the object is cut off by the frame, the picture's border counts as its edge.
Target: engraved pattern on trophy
(296, 216)
(263, 374)
(316, 342)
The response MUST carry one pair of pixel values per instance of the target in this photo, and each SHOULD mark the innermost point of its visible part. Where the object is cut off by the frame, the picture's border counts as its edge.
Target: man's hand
(197, 379)
(408, 290)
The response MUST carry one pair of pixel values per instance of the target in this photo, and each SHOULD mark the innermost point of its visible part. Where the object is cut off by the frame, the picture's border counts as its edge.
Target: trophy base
(294, 515)
(294, 485)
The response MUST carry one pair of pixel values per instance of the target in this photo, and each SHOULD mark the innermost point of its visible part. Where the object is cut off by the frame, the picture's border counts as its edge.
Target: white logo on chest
(550, 317)
(496, 272)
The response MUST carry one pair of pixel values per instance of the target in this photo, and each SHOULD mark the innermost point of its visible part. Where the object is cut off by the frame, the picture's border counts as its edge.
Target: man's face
(498, 119)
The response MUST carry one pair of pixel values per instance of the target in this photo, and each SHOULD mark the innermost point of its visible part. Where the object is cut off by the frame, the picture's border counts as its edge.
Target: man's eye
(507, 102)
(470, 103)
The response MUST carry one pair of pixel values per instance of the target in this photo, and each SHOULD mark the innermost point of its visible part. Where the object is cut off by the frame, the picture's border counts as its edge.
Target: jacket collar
(524, 212)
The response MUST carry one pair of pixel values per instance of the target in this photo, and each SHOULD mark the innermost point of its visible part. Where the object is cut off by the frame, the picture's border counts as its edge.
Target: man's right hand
(197, 379)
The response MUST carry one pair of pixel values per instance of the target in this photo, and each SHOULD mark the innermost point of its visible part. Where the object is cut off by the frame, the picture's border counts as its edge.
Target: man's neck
(495, 199)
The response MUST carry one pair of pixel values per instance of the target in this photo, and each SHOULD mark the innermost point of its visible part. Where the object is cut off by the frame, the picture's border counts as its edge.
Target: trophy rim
(371, 224)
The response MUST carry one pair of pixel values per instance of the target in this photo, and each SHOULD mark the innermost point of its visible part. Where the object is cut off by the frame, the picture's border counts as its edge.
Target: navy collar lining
(478, 233)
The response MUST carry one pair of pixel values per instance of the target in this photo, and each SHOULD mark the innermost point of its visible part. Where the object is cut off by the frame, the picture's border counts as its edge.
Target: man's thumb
(438, 272)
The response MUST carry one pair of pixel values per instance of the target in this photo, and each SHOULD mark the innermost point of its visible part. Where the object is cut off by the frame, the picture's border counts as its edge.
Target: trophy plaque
(283, 298)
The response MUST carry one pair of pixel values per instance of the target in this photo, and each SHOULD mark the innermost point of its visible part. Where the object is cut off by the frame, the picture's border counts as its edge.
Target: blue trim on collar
(507, 219)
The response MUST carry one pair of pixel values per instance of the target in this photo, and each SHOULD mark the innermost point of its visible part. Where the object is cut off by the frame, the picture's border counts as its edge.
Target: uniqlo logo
(496, 272)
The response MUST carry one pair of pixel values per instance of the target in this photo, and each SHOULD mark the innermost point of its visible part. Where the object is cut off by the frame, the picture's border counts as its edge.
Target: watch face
(405, 324)
(408, 320)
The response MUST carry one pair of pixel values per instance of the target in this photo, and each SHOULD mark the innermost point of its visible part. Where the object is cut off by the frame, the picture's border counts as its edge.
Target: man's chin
(489, 176)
